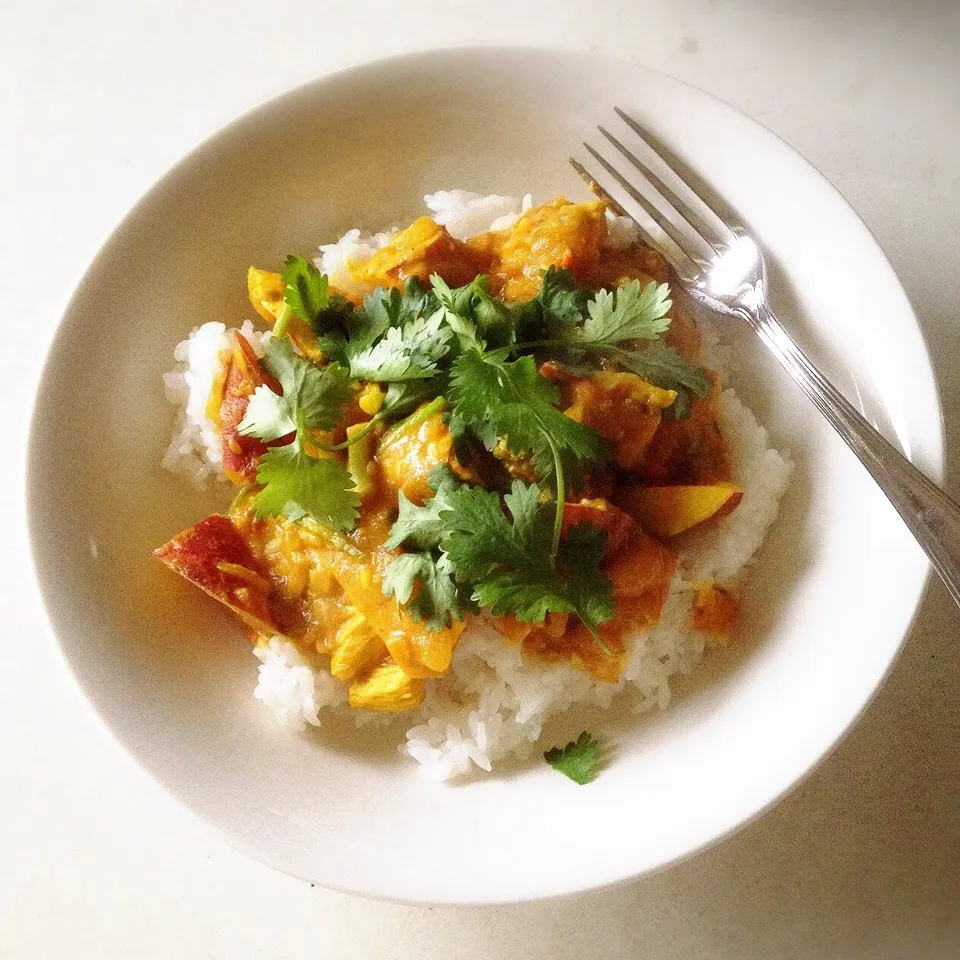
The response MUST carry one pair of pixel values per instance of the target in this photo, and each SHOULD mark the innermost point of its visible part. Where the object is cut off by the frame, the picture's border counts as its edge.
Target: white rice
(495, 701)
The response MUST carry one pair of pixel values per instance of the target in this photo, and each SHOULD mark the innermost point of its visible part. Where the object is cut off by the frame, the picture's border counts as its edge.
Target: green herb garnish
(577, 760)
(294, 484)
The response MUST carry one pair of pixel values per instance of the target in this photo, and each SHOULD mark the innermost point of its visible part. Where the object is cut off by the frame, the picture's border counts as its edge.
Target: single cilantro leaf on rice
(577, 760)
(425, 577)
(410, 352)
(306, 288)
(296, 485)
(512, 400)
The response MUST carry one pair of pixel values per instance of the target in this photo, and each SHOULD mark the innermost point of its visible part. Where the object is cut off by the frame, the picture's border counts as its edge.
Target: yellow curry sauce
(323, 591)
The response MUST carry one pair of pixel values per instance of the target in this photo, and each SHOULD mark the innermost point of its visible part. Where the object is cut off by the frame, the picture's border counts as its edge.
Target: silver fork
(722, 267)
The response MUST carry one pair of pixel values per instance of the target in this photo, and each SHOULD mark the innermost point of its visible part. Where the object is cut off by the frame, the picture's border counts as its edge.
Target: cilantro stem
(415, 419)
(282, 323)
(356, 438)
(561, 495)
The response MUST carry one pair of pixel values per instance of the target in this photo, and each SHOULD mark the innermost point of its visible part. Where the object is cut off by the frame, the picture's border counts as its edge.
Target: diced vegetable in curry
(512, 427)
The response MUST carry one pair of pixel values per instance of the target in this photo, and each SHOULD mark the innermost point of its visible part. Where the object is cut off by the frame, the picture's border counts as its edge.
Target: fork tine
(596, 189)
(679, 241)
(725, 215)
(685, 211)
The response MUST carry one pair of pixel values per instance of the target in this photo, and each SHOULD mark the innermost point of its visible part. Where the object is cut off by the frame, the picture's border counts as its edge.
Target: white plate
(168, 673)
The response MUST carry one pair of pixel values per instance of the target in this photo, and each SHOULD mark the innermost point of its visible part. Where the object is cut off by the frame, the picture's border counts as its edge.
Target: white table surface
(99, 99)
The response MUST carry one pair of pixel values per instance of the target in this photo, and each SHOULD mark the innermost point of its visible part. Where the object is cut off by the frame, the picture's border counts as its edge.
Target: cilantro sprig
(315, 395)
(508, 399)
(624, 327)
(462, 537)
(295, 484)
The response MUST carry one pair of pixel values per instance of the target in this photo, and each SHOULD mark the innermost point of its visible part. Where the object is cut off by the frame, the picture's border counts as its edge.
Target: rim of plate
(932, 446)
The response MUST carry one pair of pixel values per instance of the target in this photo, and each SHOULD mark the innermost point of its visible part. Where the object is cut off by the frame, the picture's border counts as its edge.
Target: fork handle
(932, 517)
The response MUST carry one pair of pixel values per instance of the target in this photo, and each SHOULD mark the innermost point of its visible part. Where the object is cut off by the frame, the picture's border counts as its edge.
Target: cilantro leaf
(409, 352)
(577, 760)
(582, 550)
(559, 301)
(663, 366)
(421, 528)
(296, 485)
(478, 318)
(315, 395)
(385, 308)
(306, 288)
(512, 400)
(509, 562)
(551, 323)
(479, 538)
(627, 314)
(404, 396)
(427, 578)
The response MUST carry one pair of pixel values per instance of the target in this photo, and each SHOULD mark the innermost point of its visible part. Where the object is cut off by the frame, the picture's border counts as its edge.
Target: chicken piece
(410, 451)
(419, 651)
(422, 249)
(213, 556)
(622, 408)
(555, 234)
(357, 649)
(244, 374)
(387, 689)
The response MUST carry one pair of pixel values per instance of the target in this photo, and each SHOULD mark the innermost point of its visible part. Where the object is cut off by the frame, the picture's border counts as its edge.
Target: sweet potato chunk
(667, 511)
(408, 453)
(213, 556)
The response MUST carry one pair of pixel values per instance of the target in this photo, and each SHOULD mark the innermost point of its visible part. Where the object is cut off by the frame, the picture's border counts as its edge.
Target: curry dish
(514, 427)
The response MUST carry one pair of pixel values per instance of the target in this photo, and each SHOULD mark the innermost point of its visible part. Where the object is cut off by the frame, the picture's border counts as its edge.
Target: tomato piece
(244, 374)
(213, 556)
